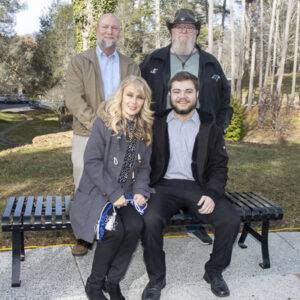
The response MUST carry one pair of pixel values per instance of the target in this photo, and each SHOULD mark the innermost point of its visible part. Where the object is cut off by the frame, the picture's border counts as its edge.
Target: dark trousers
(170, 196)
(113, 254)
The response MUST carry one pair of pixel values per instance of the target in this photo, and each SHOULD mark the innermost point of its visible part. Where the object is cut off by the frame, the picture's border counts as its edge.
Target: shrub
(236, 129)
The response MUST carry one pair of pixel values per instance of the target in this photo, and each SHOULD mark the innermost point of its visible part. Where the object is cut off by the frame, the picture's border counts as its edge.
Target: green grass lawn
(38, 123)
(38, 126)
(9, 119)
(272, 170)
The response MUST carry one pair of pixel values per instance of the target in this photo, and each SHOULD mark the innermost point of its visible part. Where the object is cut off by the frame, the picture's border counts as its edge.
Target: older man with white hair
(92, 77)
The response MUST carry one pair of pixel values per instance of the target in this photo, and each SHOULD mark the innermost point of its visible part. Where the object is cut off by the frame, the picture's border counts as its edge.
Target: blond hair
(111, 111)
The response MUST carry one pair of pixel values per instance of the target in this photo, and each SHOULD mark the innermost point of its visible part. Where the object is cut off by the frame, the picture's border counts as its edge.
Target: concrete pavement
(53, 273)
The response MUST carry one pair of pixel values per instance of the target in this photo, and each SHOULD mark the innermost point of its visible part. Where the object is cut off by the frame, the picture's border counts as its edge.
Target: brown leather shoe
(80, 249)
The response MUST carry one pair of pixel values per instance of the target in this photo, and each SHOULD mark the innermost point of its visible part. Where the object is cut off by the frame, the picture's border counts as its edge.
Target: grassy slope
(38, 123)
(7, 120)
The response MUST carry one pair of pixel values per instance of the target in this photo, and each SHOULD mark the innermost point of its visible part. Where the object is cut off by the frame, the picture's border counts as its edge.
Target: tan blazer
(84, 87)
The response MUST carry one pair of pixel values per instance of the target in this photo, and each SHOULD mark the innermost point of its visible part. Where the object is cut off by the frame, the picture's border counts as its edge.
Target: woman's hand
(120, 202)
(139, 199)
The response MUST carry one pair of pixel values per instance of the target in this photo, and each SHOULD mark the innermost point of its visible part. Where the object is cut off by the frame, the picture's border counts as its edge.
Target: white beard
(106, 45)
(182, 48)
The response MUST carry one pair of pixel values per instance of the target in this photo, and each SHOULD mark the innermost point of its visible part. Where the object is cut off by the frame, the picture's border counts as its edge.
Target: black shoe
(152, 291)
(114, 291)
(203, 236)
(94, 293)
(218, 285)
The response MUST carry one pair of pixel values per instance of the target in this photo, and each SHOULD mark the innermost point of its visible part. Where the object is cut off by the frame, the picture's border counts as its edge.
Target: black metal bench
(253, 208)
(32, 214)
(52, 213)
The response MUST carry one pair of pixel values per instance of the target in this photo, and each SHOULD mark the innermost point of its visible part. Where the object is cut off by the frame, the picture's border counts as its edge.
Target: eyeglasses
(183, 28)
(107, 27)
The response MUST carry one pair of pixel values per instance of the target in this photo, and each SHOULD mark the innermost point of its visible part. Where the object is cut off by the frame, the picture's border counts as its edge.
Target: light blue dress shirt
(110, 72)
(181, 140)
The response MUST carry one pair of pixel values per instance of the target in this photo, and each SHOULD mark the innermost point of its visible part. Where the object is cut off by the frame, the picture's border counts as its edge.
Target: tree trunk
(284, 46)
(223, 14)
(268, 60)
(87, 27)
(295, 52)
(252, 69)
(221, 41)
(210, 25)
(157, 24)
(241, 55)
(206, 10)
(275, 48)
(232, 48)
(247, 63)
(261, 52)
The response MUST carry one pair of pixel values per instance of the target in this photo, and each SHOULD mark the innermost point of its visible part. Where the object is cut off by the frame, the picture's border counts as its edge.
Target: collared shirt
(110, 71)
(192, 66)
(181, 140)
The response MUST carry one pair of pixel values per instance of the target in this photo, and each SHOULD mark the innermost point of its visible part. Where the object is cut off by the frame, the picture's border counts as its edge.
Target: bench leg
(16, 257)
(264, 245)
(243, 236)
(22, 247)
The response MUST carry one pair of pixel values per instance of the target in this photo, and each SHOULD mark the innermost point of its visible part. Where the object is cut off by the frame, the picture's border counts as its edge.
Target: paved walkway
(53, 273)
(15, 108)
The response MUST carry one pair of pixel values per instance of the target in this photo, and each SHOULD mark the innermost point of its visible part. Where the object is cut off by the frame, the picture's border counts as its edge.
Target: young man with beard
(183, 54)
(189, 171)
(92, 77)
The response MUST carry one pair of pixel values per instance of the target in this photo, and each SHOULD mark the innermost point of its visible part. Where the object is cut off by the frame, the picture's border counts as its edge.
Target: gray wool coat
(103, 160)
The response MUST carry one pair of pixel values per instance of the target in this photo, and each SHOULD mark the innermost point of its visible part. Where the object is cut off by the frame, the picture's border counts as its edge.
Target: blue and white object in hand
(139, 208)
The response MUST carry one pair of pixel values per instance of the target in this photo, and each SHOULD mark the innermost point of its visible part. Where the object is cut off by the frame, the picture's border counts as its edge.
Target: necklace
(184, 61)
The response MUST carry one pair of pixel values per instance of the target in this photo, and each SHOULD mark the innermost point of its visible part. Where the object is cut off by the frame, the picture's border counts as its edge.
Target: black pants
(113, 254)
(175, 194)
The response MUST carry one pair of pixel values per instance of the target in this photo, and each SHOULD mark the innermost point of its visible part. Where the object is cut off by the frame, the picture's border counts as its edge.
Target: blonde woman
(116, 171)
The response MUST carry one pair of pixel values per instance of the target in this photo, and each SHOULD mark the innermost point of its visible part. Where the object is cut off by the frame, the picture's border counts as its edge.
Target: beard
(185, 111)
(183, 47)
(103, 44)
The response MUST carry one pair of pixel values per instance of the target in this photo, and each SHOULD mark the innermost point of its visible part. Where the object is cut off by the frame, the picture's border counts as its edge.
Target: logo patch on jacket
(216, 77)
(154, 70)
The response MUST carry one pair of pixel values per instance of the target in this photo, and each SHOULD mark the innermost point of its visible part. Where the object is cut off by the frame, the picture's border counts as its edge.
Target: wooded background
(256, 41)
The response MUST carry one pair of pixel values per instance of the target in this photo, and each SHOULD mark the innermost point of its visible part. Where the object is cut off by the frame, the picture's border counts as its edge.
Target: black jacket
(214, 95)
(209, 159)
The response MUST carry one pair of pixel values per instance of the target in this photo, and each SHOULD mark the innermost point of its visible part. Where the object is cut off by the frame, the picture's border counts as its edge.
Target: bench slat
(275, 206)
(38, 210)
(28, 210)
(17, 217)
(58, 210)
(244, 210)
(263, 211)
(48, 210)
(271, 211)
(67, 209)
(8, 210)
(255, 212)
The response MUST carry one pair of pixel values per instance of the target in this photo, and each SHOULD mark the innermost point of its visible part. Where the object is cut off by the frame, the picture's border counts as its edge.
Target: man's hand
(120, 202)
(139, 199)
(208, 205)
